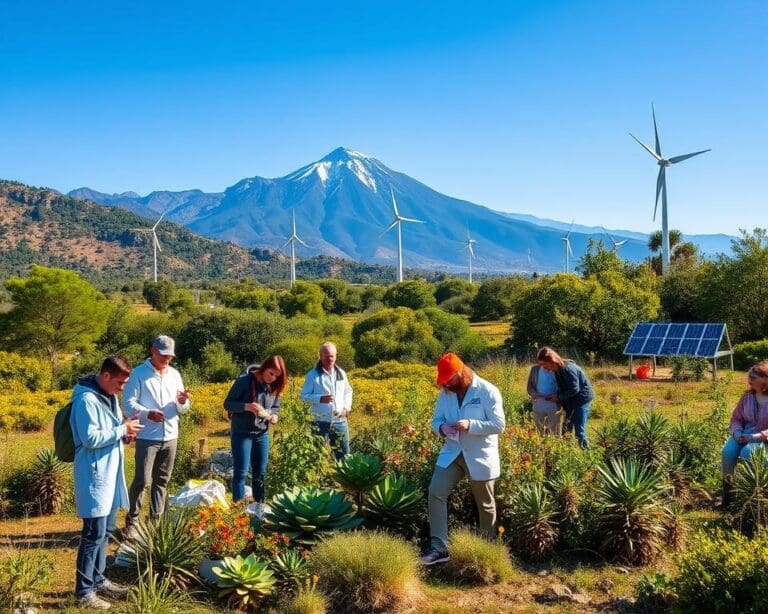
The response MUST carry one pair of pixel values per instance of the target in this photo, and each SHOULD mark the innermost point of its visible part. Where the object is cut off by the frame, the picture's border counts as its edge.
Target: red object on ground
(643, 372)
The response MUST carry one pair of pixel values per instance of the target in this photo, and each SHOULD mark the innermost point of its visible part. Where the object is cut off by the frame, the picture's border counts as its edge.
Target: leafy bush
(749, 353)
(412, 293)
(23, 573)
(724, 570)
(394, 334)
(245, 582)
(304, 298)
(476, 560)
(300, 353)
(367, 571)
(688, 368)
(308, 515)
(19, 372)
(217, 363)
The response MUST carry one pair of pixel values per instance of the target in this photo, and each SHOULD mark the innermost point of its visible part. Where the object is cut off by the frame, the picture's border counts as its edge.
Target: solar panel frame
(702, 339)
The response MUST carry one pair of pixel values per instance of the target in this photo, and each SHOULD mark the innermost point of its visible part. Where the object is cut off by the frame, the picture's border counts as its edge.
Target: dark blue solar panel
(652, 345)
(670, 347)
(708, 347)
(694, 331)
(714, 331)
(688, 347)
(634, 346)
(659, 330)
(676, 330)
(642, 329)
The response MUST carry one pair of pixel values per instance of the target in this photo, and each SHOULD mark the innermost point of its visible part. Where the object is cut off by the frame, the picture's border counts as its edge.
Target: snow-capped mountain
(343, 204)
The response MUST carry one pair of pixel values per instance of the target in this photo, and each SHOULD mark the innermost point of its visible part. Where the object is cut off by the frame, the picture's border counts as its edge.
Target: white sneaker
(93, 601)
(110, 589)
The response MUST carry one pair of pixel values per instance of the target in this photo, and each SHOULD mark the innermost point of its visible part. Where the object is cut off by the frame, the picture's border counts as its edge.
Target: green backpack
(64, 441)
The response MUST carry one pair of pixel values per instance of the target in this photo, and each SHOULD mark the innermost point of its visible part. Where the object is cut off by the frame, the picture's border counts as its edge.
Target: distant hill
(343, 204)
(107, 245)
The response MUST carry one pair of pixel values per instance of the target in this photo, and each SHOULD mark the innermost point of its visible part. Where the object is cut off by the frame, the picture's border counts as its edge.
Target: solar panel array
(673, 339)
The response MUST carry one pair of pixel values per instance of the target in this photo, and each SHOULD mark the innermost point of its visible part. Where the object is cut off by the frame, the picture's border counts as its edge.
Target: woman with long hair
(574, 391)
(749, 425)
(253, 403)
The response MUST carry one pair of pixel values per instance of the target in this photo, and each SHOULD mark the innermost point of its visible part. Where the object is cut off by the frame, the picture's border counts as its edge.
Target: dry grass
(475, 560)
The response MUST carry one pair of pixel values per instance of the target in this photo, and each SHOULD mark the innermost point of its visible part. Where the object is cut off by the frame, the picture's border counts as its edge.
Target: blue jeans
(733, 450)
(337, 435)
(577, 421)
(249, 451)
(92, 553)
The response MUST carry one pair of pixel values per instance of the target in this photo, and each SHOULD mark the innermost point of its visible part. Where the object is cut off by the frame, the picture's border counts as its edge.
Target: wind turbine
(292, 240)
(661, 186)
(155, 243)
(470, 252)
(616, 244)
(568, 251)
(399, 219)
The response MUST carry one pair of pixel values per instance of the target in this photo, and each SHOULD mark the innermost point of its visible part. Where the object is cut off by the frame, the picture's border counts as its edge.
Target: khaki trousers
(444, 480)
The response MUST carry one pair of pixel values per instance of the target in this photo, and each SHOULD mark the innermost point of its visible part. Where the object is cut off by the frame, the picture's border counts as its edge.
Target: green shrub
(476, 560)
(300, 353)
(23, 372)
(217, 363)
(367, 571)
(747, 354)
(156, 594)
(306, 601)
(724, 570)
(23, 574)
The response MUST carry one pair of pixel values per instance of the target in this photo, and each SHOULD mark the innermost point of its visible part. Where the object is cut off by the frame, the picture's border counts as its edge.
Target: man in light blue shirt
(154, 394)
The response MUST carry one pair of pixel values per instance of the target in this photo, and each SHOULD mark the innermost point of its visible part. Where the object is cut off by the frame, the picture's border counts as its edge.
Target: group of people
(468, 415)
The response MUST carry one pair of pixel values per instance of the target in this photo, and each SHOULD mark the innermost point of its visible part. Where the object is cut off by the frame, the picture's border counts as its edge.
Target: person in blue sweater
(574, 391)
(253, 403)
(98, 430)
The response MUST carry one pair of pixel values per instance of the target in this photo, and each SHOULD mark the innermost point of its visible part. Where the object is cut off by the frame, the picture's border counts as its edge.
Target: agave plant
(245, 582)
(616, 438)
(566, 493)
(309, 514)
(534, 518)
(49, 479)
(632, 512)
(167, 545)
(750, 490)
(358, 473)
(291, 568)
(650, 443)
(678, 476)
(676, 527)
(394, 503)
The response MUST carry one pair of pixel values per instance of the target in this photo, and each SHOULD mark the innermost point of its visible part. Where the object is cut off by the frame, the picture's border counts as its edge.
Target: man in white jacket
(327, 387)
(154, 394)
(469, 415)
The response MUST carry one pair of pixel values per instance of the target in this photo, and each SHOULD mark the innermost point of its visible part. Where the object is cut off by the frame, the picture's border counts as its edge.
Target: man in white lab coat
(469, 415)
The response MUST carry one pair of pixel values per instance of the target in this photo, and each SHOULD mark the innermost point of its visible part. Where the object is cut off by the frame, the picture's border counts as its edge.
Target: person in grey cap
(154, 394)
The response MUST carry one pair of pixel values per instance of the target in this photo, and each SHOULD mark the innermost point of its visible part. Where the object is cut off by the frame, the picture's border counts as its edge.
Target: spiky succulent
(358, 473)
(650, 443)
(632, 512)
(566, 495)
(750, 490)
(49, 481)
(309, 514)
(616, 438)
(168, 545)
(534, 522)
(291, 568)
(676, 527)
(678, 476)
(394, 503)
(244, 582)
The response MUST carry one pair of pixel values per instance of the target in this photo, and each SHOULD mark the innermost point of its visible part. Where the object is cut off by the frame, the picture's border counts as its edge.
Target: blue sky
(520, 106)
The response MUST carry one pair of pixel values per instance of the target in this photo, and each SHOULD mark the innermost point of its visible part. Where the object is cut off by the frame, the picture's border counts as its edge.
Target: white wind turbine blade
(618, 244)
(394, 203)
(302, 242)
(157, 243)
(160, 219)
(570, 228)
(661, 180)
(568, 246)
(471, 251)
(677, 159)
(409, 219)
(390, 227)
(648, 149)
(530, 260)
(656, 133)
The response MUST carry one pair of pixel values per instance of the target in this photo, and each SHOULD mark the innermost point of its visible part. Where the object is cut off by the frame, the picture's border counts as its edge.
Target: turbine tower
(470, 252)
(155, 243)
(292, 240)
(399, 219)
(661, 187)
(616, 244)
(568, 251)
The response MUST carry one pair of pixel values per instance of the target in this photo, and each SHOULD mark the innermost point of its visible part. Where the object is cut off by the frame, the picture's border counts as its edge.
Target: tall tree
(54, 311)
(681, 252)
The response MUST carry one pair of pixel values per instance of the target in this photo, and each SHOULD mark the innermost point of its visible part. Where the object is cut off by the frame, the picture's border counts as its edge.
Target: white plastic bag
(200, 492)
